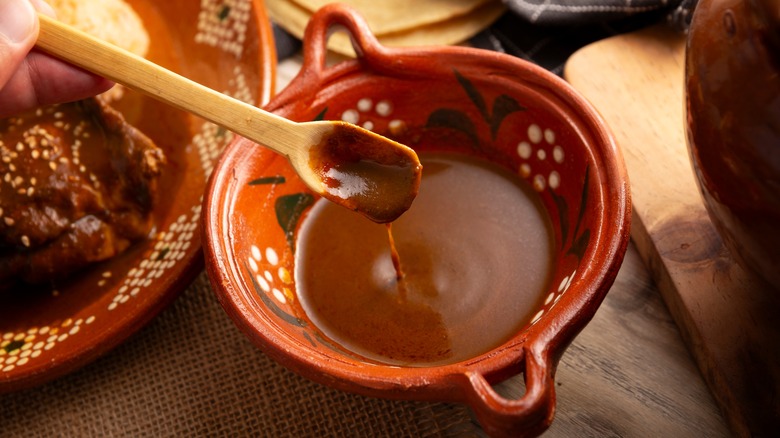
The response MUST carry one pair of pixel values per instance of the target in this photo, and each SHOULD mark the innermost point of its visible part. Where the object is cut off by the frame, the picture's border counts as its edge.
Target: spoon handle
(135, 72)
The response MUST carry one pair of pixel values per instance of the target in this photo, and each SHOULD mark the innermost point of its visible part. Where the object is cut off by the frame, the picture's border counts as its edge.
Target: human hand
(30, 78)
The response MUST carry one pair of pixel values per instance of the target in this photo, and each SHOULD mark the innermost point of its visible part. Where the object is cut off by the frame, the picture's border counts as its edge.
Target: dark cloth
(547, 32)
(286, 44)
(578, 12)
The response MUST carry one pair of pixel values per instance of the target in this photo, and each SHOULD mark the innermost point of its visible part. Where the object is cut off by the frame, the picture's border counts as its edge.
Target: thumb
(18, 32)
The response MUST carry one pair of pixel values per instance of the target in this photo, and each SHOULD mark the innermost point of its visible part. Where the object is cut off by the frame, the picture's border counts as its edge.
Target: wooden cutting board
(728, 317)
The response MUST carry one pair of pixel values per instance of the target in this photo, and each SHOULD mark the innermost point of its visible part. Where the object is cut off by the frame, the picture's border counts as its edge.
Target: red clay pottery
(474, 102)
(733, 125)
(49, 332)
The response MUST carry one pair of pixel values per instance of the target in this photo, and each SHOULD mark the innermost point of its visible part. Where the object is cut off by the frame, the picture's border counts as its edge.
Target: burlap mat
(192, 373)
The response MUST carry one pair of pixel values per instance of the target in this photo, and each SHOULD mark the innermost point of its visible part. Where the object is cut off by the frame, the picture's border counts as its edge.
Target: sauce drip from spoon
(365, 172)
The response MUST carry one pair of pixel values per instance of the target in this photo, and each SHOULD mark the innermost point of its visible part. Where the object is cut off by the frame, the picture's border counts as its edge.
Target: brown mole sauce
(367, 173)
(475, 253)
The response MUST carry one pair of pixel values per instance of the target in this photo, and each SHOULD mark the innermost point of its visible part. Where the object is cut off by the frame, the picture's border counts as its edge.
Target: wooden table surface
(727, 316)
(629, 373)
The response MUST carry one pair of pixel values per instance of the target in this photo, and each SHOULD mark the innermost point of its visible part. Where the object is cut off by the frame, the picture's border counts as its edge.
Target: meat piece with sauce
(77, 185)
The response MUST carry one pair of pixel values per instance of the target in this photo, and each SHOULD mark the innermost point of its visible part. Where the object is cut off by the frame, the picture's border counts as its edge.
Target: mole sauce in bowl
(516, 236)
(475, 252)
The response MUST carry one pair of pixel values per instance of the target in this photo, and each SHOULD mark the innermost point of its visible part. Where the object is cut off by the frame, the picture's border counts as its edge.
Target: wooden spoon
(349, 165)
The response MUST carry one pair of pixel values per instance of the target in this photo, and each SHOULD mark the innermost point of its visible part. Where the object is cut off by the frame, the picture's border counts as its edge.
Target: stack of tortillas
(397, 22)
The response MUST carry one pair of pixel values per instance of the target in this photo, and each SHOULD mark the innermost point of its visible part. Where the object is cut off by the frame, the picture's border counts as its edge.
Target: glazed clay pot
(453, 99)
(733, 125)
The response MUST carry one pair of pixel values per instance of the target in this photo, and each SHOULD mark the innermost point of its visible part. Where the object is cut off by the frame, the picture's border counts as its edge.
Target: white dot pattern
(365, 108)
(271, 256)
(558, 154)
(536, 146)
(549, 136)
(169, 247)
(384, 108)
(524, 150)
(279, 296)
(554, 180)
(535, 133)
(222, 24)
(365, 104)
(266, 279)
(16, 349)
(553, 297)
(540, 150)
(351, 116)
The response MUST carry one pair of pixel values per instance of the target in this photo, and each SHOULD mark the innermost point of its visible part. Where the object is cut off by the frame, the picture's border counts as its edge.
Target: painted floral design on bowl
(439, 99)
(534, 152)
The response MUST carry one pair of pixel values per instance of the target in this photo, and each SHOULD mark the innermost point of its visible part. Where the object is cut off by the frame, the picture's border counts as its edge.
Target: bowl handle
(528, 416)
(325, 20)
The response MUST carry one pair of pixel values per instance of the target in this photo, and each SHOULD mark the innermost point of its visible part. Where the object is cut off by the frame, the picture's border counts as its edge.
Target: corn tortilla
(294, 18)
(394, 16)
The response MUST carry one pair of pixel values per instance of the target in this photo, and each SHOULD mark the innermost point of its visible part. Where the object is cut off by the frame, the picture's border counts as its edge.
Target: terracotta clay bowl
(48, 332)
(460, 100)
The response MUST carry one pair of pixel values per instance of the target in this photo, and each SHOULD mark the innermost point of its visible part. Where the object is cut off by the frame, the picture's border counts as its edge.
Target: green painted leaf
(580, 245)
(13, 345)
(335, 347)
(503, 106)
(321, 115)
(474, 95)
(563, 215)
(163, 252)
(583, 200)
(224, 12)
(453, 119)
(289, 209)
(271, 304)
(580, 239)
(277, 179)
(308, 338)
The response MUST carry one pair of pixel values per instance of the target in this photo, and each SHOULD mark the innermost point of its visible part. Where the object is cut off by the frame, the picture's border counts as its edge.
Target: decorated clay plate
(50, 331)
